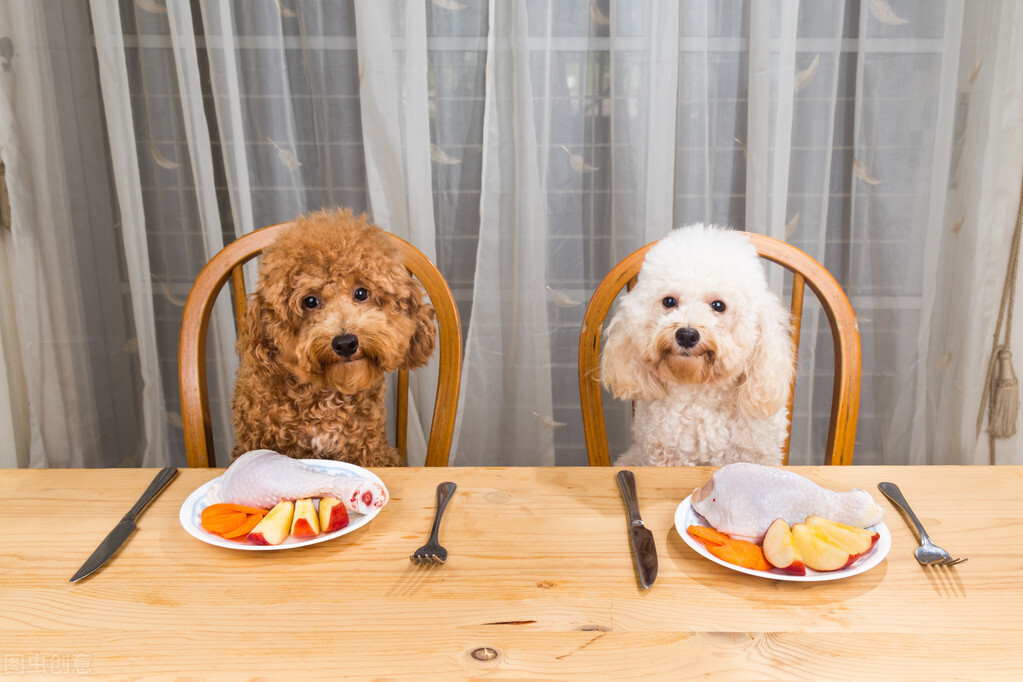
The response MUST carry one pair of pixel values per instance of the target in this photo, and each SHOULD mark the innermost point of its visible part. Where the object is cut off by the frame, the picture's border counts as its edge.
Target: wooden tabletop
(540, 583)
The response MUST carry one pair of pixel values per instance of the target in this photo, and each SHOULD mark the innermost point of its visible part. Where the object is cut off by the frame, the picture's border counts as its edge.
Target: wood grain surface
(540, 577)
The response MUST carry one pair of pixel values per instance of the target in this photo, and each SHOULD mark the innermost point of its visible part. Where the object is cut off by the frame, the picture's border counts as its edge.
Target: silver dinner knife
(125, 527)
(643, 546)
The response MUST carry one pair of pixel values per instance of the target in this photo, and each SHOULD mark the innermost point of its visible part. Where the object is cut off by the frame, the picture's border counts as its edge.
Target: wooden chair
(195, 403)
(806, 271)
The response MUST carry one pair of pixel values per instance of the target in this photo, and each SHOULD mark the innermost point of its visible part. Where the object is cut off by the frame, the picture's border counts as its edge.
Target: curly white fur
(705, 349)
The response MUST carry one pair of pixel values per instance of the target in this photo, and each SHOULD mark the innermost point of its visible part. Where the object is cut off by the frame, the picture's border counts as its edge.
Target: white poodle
(705, 349)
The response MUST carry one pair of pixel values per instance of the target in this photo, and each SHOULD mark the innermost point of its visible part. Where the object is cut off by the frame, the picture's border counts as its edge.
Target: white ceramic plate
(192, 508)
(686, 516)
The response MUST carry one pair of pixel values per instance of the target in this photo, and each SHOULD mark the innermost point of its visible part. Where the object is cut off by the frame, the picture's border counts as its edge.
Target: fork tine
(950, 561)
(424, 556)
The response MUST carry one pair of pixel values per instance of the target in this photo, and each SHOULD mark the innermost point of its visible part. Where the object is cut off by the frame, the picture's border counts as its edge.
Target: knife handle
(627, 482)
(161, 480)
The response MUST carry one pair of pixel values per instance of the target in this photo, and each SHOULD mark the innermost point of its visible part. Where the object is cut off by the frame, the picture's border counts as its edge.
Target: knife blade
(643, 546)
(125, 527)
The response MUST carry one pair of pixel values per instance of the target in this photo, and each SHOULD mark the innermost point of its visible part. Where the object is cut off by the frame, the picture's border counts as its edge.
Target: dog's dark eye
(361, 294)
(717, 306)
(669, 302)
(310, 303)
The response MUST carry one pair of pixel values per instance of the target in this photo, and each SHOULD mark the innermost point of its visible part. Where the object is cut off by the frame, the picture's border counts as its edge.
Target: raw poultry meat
(743, 499)
(262, 478)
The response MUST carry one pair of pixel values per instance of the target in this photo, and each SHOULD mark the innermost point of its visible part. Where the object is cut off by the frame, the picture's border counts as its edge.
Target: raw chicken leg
(743, 499)
(262, 478)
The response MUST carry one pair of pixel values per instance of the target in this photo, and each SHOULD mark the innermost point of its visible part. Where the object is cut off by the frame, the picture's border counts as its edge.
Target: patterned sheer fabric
(527, 147)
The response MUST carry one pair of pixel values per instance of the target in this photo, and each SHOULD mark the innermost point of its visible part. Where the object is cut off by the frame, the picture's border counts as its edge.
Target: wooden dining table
(540, 583)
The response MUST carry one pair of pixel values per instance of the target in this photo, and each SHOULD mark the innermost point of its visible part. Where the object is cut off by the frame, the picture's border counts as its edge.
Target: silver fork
(432, 552)
(928, 553)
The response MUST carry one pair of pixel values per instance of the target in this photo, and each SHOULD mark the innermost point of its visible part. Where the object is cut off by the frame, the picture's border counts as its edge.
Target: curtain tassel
(1005, 398)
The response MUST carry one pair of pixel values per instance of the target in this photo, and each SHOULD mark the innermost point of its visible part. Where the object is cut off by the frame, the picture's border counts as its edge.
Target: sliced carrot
(223, 523)
(206, 518)
(226, 507)
(214, 510)
(741, 553)
(248, 510)
(243, 529)
(708, 536)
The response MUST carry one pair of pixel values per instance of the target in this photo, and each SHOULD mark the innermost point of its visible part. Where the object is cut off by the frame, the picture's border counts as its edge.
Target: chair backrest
(806, 271)
(195, 402)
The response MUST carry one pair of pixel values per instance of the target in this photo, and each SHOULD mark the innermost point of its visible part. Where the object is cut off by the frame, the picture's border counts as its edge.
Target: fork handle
(444, 492)
(892, 492)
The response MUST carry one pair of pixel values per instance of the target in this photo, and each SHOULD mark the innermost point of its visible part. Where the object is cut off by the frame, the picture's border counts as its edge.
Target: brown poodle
(334, 311)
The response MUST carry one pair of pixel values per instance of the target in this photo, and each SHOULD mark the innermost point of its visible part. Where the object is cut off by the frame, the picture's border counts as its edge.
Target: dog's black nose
(687, 337)
(345, 345)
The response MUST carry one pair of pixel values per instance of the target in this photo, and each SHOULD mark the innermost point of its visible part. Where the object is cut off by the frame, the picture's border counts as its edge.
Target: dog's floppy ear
(421, 345)
(255, 338)
(768, 373)
(622, 370)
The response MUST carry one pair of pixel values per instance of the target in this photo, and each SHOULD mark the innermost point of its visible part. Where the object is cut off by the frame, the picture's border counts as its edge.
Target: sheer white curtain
(526, 146)
(73, 381)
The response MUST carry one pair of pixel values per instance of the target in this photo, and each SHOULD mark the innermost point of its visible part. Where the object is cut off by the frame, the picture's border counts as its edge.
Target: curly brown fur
(334, 311)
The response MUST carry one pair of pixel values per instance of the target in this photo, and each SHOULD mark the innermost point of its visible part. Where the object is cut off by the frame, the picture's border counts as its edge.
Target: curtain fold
(395, 125)
(980, 206)
(526, 147)
(505, 407)
(200, 156)
(77, 353)
(124, 147)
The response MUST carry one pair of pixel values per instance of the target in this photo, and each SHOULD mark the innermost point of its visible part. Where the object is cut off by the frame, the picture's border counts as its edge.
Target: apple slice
(856, 540)
(305, 524)
(333, 515)
(819, 551)
(274, 527)
(780, 549)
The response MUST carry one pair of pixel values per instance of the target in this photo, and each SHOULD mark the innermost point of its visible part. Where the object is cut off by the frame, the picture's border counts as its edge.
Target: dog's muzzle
(687, 337)
(345, 345)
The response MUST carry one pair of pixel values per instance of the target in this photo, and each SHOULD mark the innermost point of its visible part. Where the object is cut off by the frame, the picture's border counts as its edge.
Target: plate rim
(872, 558)
(190, 509)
